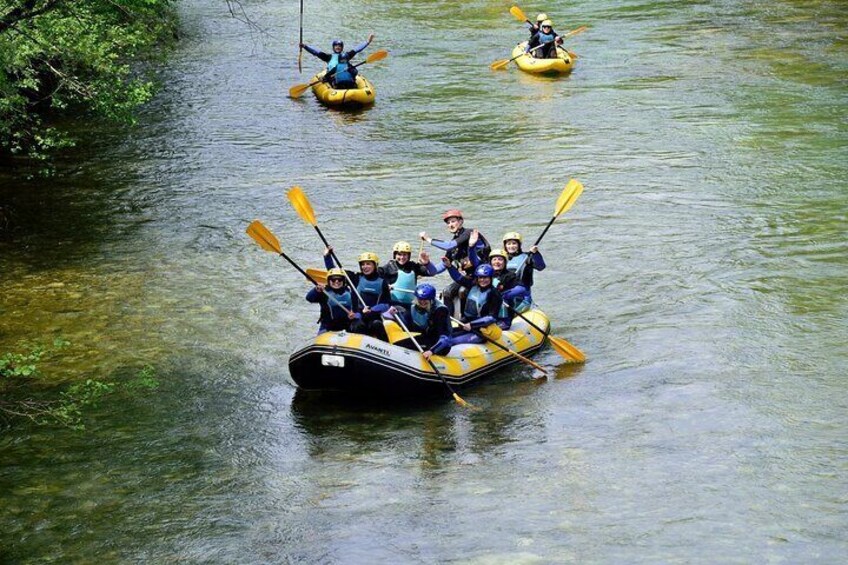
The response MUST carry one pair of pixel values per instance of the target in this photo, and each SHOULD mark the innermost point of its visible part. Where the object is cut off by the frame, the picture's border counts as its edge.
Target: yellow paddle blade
(519, 15)
(318, 275)
(460, 401)
(297, 90)
(499, 64)
(492, 331)
(377, 56)
(567, 350)
(574, 32)
(568, 196)
(395, 333)
(301, 205)
(263, 236)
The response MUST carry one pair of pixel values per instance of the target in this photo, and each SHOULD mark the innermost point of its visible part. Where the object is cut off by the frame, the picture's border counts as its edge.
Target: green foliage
(19, 370)
(72, 57)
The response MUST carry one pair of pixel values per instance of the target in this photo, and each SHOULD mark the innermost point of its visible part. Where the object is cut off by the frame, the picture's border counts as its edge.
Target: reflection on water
(702, 272)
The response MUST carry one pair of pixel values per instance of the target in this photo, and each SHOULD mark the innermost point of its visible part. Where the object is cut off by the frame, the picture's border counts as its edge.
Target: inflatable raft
(530, 64)
(363, 95)
(356, 363)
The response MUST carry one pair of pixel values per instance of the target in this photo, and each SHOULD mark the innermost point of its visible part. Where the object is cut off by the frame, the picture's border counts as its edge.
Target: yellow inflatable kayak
(357, 363)
(363, 95)
(530, 64)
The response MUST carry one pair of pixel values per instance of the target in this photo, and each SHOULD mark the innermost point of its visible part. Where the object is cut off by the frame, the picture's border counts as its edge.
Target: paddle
(297, 90)
(519, 15)
(561, 346)
(319, 275)
(300, 44)
(304, 209)
(502, 63)
(456, 397)
(491, 334)
(269, 242)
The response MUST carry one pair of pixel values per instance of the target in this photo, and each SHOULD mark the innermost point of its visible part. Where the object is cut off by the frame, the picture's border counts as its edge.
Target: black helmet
(338, 42)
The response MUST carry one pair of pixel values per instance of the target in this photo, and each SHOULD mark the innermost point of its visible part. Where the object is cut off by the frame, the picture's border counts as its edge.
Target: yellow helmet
(511, 235)
(547, 23)
(541, 18)
(498, 253)
(335, 272)
(368, 256)
(402, 247)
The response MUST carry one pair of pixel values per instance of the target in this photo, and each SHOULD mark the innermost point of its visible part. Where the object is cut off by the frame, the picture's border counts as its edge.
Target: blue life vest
(518, 265)
(476, 301)
(345, 299)
(421, 318)
(342, 66)
(370, 291)
(546, 37)
(406, 282)
(504, 311)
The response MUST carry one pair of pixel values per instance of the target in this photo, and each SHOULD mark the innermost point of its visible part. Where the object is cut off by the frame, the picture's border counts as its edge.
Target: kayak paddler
(341, 73)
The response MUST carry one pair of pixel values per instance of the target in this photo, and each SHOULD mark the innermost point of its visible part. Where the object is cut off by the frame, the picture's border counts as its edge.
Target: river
(703, 271)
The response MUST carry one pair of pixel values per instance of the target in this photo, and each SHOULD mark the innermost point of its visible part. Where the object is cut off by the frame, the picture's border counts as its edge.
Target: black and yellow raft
(356, 363)
(363, 95)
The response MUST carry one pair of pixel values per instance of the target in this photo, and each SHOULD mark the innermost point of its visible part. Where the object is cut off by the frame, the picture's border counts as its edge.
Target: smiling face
(337, 48)
(453, 224)
(423, 303)
(367, 267)
(497, 262)
(512, 245)
(484, 282)
(401, 257)
(336, 282)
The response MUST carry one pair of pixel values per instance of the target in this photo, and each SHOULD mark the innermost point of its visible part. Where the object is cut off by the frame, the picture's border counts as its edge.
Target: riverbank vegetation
(66, 58)
(25, 393)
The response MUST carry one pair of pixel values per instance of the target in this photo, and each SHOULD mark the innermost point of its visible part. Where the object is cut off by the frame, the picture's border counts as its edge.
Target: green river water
(703, 271)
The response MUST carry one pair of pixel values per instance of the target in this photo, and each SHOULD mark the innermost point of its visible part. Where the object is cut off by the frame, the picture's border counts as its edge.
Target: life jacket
(371, 291)
(546, 37)
(518, 265)
(345, 299)
(475, 304)
(339, 61)
(421, 318)
(405, 282)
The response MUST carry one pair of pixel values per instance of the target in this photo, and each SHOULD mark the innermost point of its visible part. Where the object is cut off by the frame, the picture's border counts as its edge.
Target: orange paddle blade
(263, 236)
(301, 205)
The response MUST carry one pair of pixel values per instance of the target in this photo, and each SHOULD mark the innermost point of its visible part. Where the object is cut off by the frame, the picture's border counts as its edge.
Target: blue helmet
(425, 292)
(338, 42)
(484, 271)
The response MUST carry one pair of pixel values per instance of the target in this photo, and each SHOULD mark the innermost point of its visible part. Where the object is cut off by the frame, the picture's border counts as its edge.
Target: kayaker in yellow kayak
(340, 73)
(547, 38)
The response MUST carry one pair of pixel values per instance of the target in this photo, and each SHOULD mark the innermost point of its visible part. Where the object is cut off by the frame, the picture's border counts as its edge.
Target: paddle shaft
(400, 322)
(327, 76)
(520, 315)
(339, 263)
(313, 281)
(300, 49)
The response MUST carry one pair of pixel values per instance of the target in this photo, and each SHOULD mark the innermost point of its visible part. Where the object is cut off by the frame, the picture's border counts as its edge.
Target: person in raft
(374, 290)
(483, 305)
(402, 273)
(427, 316)
(547, 38)
(534, 28)
(457, 251)
(521, 263)
(340, 73)
(516, 296)
(338, 304)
